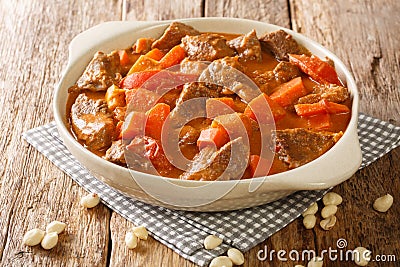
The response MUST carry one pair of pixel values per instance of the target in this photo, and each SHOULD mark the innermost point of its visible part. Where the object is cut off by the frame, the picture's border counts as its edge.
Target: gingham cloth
(183, 231)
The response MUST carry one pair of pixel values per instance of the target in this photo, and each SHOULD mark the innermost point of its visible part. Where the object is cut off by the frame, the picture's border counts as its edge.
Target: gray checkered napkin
(184, 231)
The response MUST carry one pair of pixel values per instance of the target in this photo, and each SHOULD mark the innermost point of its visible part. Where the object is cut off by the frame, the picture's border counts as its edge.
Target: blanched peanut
(309, 221)
(33, 237)
(55, 226)
(91, 200)
(311, 210)
(236, 256)
(315, 262)
(131, 240)
(328, 223)
(140, 232)
(332, 198)
(328, 211)
(221, 261)
(49, 240)
(383, 203)
(298, 265)
(211, 242)
(362, 256)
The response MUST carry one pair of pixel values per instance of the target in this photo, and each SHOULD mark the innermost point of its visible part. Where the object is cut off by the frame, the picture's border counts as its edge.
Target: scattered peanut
(332, 198)
(236, 256)
(362, 256)
(140, 232)
(91, 200)
(131, 240)
(328, 211)
(383, 203)
(55, 226)
(221, 261)
(211, 242)
(309, 221)
(311, 210)
(298, 265)
(328, 223)
(49, 240)
(33, 237)
(315, 262)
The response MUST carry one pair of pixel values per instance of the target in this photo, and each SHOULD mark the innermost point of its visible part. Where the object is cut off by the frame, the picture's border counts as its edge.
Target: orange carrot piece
(173, 57)
(287, 93)
(212, 136)
(256, 109)
(323, 106)
(259, 166)
(317, 69)
(118, 130)
(144, 63)
(155, 54)
(142, 45)
(334, 108)
(219, 106)
(309, 109)
(124, 58)
(156, 117)
(136, 79)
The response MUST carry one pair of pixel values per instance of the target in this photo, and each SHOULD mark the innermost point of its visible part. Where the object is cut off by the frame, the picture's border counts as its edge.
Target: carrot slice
(212, 136)
(156, 117)
(142, 45)
(323, 106)
(173, 57)
(287, 93)
(155, 54)
(309, 109)
(136, 79)
(123, 58)
(258, 166)
(256, 109)
(334, 108)
(144, 63)
(317, 69)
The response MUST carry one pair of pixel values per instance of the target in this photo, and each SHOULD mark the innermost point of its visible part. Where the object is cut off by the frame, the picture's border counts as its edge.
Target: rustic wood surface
(33, 192)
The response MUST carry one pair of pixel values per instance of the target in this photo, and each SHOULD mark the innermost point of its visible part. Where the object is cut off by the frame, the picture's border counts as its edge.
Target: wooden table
(34, 42)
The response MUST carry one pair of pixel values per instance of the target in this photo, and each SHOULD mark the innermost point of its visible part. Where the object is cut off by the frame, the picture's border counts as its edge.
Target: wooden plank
(33, 192)
(161, 9)
(361, 33)
(270, 11)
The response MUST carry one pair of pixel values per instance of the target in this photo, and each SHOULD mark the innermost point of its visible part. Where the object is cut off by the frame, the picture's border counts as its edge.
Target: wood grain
(33, 192)
(35, 37)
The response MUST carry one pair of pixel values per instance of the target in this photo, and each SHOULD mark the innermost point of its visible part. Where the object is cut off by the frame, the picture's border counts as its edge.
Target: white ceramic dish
(332, 168)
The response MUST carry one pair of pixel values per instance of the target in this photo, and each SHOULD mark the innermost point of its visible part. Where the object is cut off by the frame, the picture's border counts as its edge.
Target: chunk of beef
(286, 71)
(281, 44)
(102, 72)
(299, 146)
(199, 89)
(227, 163)
(145, 154)
(247, 46)
(206, 47)
(173, 34)
(116, 153)
(331, 92)
(283, 72)
(225, 72)
(192, 67)
(92, 122)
